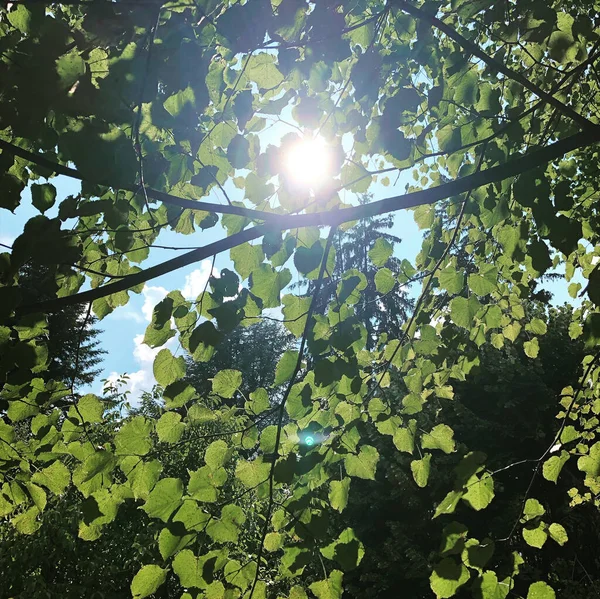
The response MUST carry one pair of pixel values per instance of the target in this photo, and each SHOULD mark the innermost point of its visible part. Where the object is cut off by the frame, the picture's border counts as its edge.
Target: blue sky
(123, 330)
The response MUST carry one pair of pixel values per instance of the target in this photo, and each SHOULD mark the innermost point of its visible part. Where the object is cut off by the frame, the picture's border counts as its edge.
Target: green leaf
(21, 18)
(167, 368)
(338, 494)
(94, 472)
(266, 284)
(252, 474)
(226, 383)
(479, 491)
(197, 572)
(440, 437)
(453, 539)
(133, 437)
(575, 330)
(90, 408)
(330, 588)
(558, 533)
(285, 367)
(43, 196)
(38, 496)
(355, 177)
(203, 341)
(273, 541)
(466, 88)
(532, 348)
(535, 535)
(420, 470)
(451, 279)
(308, 260)
(384, 280)
(246, 258)
(261, 69)
(259, 402)
(216, 454)
(533, 509)
(447, 577)
(69, 68)
(364, 464)
(537, 326)
(540, 590)
(54, 477)
(164, 499)
(178, 394)
(169, 427)
(227, 528)
(189, 569)
(169, 544)
(142, 476)
(320, 74)
(463, 310)
(404, 438)
(203, 484)
(381, 251)
(294, 312)
(347, 550)
(238, 151)
(448, 504)
(489, 587)
(191, 516)
(147, 581)
(590, 464)
(178, 102)
(27, 522)
(485, 282)
(512, 331)
(159, 331)
(424, 216)
(553, 466)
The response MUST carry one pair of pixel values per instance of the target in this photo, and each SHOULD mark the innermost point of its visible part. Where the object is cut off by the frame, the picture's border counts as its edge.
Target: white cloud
(142, 353)
(196, 281)
(152, 295)
(143, 379)
(127, 314)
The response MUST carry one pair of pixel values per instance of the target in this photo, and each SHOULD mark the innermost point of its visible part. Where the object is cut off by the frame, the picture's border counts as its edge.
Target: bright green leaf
(147, 581)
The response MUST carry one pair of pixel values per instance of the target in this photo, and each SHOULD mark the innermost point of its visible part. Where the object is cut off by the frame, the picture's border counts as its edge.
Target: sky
(123, 330)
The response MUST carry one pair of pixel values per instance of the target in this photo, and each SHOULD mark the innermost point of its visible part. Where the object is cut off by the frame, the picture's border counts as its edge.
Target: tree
(253, 350)
(506, 407)
(384, 302)
(74, 352)
(160, 110)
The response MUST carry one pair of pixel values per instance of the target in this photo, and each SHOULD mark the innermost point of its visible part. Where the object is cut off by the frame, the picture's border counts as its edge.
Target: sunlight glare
(308, 162)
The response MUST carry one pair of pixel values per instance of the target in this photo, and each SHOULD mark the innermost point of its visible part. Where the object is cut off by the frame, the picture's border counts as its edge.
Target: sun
(308, 162)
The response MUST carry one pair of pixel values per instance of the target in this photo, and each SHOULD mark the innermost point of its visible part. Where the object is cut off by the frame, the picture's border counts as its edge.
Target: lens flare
(308, 162)
(310, 441)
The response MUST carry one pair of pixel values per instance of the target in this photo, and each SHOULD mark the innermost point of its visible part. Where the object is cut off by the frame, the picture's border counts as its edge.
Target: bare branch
(512, 168)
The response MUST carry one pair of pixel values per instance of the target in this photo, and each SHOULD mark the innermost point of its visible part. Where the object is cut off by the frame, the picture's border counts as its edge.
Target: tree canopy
(171, 114)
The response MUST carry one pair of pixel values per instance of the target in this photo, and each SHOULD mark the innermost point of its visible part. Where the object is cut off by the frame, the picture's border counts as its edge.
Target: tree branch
(492, 63)
(166, 198)
(518, 165)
